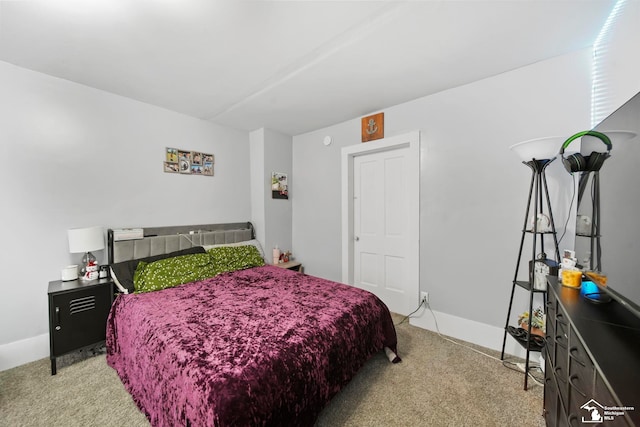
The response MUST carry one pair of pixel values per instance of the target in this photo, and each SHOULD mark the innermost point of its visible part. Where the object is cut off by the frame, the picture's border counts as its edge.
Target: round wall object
(327, 140)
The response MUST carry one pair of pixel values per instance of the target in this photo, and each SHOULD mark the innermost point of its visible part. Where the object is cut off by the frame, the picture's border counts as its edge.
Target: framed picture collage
(188, 162)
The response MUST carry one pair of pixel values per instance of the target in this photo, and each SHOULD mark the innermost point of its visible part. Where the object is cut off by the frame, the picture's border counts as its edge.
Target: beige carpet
(437, 384)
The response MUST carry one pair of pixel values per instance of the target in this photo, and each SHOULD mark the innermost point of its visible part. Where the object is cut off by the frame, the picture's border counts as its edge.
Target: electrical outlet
(424, 297)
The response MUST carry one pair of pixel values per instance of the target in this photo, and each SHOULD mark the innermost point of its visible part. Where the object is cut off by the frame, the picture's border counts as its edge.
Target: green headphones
(593, 162)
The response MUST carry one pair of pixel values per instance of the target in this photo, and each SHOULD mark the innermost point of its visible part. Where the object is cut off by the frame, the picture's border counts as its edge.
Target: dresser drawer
(550, 332)
(580, 381)
(581, 374)
(552, 307)
(562, 328)
(561, 355)
(603, 396)
(551, 403)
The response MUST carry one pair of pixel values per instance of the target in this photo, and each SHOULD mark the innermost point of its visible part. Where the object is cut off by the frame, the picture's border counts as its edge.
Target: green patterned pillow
(232, 258)
(174, 271)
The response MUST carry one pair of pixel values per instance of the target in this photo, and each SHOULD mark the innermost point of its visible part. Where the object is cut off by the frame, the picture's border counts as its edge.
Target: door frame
(410, 140)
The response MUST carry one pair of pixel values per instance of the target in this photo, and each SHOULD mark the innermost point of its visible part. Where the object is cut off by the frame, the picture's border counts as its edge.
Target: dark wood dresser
(592, 361)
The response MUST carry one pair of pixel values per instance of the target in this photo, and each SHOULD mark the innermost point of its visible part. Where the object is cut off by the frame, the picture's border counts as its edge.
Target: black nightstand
(78, 314)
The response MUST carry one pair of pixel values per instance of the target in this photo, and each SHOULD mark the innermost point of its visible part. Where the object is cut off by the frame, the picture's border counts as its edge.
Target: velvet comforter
(262, 346)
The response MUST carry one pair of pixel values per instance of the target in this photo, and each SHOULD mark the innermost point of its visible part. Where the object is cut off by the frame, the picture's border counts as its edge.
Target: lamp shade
(539, 149)
(590, 143)
(85, 239)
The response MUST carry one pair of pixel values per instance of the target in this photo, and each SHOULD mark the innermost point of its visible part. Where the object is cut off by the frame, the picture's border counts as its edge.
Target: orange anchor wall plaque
(373, 127)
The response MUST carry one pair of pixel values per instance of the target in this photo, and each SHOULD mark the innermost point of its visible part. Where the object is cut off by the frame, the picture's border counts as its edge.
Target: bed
(254, 346)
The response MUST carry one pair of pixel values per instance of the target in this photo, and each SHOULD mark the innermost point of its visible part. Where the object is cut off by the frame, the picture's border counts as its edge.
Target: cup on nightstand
(69, 273)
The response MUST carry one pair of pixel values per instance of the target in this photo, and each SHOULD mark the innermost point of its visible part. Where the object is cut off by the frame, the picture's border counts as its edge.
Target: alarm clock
(540, 269)
(104, 272)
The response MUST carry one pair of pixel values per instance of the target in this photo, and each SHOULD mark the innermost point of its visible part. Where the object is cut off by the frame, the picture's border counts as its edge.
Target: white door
(384, 255)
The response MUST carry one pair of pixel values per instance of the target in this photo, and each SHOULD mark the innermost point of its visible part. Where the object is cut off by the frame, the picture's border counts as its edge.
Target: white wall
(317, 203)
(617, 62)
(624, 58)
(74, 157)
(270, 152)
(258, 189)
(473, 188)
(278, 212)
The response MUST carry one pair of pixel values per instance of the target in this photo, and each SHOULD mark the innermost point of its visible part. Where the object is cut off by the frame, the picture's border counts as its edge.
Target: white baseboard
(24, 351)
(468, 330)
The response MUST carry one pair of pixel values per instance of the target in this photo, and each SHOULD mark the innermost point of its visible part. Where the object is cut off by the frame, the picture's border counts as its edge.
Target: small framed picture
(207, 158)
(184, 161)
(279, 186)
(196, 169)
(196, 158)
(171, 167)
(373, 127)
(207, 169)
(172, 155)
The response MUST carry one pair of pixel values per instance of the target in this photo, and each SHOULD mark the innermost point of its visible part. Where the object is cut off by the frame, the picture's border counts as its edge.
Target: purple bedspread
(263, 346)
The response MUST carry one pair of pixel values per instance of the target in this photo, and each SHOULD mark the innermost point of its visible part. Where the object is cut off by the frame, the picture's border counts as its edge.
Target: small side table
(78, 314)
(291, 265)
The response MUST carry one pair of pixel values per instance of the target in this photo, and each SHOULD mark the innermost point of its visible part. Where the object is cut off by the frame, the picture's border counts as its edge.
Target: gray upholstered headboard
(162, 240)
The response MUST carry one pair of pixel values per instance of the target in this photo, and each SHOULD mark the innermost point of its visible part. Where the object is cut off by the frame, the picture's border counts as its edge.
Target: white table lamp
(87, 240)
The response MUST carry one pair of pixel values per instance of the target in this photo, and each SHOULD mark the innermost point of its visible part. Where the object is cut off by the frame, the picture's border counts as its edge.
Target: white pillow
(253, 242)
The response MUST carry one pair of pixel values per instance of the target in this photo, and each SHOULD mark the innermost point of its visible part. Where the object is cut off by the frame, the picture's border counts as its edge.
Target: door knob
(357, 239)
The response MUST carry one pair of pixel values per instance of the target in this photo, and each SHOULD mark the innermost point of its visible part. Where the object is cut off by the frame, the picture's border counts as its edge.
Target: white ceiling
(291, 66)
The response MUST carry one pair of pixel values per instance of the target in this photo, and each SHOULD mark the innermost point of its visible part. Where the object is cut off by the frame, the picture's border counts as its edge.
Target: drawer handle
(575, 387)
(560, 340)
(573, 419)
(573, 350)
(560, 318)
(58, 318)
